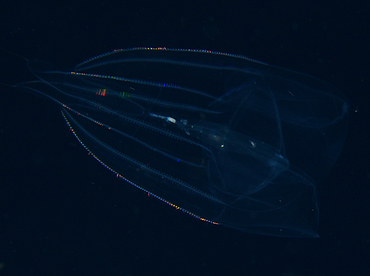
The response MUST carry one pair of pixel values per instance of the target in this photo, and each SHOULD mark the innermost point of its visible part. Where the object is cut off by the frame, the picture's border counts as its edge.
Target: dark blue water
(62, 213)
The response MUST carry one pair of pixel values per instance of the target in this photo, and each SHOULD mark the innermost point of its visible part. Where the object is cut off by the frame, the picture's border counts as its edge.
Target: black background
(61, 213)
